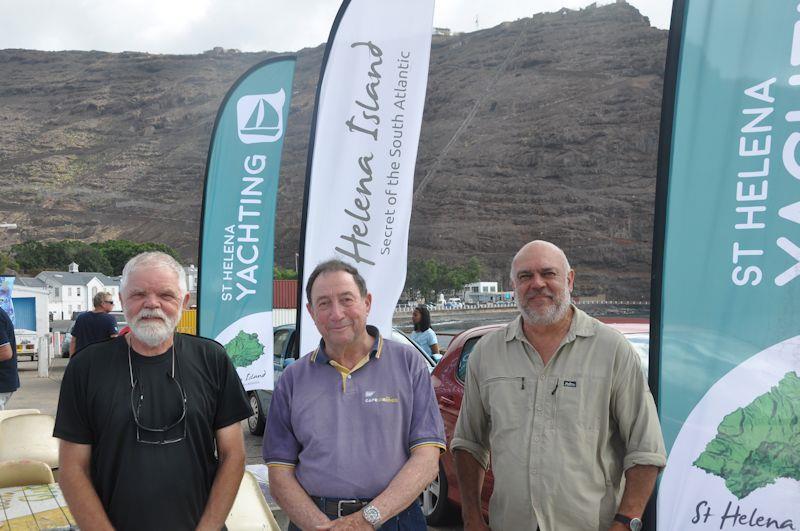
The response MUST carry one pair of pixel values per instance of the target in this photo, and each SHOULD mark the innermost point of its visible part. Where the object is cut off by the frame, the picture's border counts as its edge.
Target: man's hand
(354, 522)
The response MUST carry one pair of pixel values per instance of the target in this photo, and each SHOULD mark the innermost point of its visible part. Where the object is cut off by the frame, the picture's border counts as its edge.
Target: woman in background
(423, 335)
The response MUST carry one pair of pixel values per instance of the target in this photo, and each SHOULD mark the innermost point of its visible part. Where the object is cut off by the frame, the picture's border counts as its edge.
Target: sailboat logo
(260, 117)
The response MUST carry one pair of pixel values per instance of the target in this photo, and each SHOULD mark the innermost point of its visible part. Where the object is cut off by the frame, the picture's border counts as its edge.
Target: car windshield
(400, 337)
(641, 342)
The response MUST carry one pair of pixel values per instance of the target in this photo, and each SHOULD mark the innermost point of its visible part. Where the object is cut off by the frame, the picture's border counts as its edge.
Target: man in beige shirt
(561, 401)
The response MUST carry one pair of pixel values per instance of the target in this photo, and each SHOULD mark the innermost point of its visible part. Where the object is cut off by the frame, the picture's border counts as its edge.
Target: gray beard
(152, 334)
(550, 316)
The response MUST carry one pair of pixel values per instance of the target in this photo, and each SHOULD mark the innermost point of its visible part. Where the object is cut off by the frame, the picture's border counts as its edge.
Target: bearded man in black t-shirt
(150, 422)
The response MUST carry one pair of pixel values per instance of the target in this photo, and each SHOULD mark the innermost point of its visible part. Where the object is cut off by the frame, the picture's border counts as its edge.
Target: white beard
(550, 315)
(152, 333)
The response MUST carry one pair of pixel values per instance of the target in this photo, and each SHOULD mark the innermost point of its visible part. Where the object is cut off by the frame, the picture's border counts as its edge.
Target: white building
(484, 292)
(29, 297)
(72, 291)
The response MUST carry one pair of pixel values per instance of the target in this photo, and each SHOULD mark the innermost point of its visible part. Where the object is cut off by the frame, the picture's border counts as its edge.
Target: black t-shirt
(9, 378)
(146, 486)
(91, 327)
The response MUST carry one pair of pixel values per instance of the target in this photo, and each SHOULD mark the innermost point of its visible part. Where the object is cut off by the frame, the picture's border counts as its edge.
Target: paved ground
(42, 394)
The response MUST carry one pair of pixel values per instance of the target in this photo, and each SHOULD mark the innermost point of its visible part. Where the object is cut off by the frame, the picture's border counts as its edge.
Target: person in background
(96, 325)
(9, 378)
(423, 335)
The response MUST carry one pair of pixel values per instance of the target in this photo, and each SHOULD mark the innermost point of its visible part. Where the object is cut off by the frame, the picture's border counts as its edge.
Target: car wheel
(435, 505)
(256, 422)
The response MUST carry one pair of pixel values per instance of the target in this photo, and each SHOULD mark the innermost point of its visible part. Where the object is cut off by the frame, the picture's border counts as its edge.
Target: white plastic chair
(8, 413)
(29, 436)
(24, 472)
(250, 510)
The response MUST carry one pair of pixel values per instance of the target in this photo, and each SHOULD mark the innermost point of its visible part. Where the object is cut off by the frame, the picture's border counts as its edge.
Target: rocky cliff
(546, 127)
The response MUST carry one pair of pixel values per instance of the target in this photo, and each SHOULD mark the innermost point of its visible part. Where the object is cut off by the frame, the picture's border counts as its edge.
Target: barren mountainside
(546, 127)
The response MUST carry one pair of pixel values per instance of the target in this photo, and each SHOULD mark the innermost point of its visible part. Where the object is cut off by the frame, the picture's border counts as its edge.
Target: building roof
(75, 279)
(30, 282)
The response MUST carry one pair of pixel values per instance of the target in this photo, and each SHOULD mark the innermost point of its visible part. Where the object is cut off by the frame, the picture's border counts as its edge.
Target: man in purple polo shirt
(353, 432)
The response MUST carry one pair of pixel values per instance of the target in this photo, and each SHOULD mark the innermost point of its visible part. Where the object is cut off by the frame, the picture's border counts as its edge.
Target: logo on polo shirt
(570, 383)
(372, 397)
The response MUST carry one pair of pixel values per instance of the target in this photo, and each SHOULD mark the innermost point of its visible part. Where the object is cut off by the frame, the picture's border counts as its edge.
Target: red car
(441, 499)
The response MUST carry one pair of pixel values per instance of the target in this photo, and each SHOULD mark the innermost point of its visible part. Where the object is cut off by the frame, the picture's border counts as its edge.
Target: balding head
(542, 280)
(543, 248)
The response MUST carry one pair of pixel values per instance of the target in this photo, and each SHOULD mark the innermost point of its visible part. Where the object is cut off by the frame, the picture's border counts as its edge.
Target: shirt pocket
(576, 404)
(506, 399)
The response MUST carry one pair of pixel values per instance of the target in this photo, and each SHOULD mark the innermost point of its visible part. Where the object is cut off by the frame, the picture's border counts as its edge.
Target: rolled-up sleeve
(472, 428)
(635, 412)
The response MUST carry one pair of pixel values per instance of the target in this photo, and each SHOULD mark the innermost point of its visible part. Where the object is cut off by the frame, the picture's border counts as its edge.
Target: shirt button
(349, 377)
(536, 439)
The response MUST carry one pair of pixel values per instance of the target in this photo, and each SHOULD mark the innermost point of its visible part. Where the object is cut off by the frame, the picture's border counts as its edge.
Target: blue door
(25, 312)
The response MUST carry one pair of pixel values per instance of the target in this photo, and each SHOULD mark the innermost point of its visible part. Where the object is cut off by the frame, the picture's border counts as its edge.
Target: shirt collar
(320, 356)
(581, 325)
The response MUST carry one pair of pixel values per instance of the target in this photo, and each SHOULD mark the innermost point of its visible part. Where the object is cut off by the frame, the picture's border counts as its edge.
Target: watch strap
(621, 518)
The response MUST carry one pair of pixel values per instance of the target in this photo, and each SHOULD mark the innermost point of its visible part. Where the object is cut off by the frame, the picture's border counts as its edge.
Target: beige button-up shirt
(560, 435)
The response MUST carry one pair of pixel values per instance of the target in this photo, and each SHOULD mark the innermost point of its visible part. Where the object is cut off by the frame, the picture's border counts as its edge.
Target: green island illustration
(757, 444)
(244, 349)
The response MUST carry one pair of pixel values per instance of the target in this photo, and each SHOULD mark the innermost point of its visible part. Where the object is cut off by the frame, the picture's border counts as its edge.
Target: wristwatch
(372, 515)
(634, 524)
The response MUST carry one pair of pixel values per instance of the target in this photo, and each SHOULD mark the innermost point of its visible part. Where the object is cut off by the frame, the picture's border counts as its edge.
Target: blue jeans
(410, 519)
(4, 399)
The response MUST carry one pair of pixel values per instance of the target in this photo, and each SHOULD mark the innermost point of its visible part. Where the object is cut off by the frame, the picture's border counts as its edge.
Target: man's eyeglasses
(152, 434)
(159, 434)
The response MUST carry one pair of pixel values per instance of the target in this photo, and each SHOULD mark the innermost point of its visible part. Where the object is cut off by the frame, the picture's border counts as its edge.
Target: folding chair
(24, 472)
(29, 436)
(250, 510)
(8, 413)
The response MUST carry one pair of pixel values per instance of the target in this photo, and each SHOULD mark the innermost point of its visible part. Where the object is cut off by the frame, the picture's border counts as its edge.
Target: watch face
(635, 524)
(372, 514)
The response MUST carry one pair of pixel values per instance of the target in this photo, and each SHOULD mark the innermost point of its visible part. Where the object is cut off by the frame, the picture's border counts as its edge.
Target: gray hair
(99, 297)
(333, 266)
(153, 259)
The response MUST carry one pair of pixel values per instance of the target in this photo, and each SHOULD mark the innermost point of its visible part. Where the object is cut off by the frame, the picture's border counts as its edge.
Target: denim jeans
(4, 399)
(410, 519)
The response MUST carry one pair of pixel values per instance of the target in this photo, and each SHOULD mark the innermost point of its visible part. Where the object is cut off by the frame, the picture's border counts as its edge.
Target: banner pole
(307, 187)
(660, 216)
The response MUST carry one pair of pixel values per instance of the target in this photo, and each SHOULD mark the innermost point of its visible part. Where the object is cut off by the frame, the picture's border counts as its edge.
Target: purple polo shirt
(348, 437)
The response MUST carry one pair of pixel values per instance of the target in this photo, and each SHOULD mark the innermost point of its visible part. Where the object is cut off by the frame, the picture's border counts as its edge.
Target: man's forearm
(639, 483)
(5, 352)
(418, 472)
(223, 491)
(82, 499)
(470, 476)
(293, 499)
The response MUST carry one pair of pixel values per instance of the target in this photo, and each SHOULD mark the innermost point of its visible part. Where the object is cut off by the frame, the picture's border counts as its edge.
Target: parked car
(441, 498)
(283, 339)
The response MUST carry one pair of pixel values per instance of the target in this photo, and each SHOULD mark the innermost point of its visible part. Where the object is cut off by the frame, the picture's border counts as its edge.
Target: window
(58, 292)
(279, 344)
(69, 292)
(94, 291)
(461, 373)
(78, 292)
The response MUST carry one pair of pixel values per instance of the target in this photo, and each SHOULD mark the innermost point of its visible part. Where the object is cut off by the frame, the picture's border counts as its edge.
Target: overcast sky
(193, 26)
